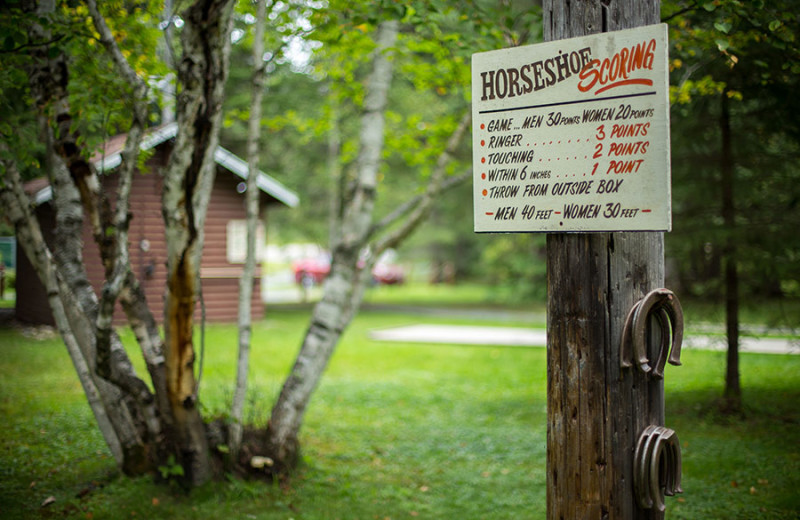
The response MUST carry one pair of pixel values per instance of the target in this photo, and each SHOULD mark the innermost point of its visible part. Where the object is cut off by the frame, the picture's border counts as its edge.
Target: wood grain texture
(596, 410)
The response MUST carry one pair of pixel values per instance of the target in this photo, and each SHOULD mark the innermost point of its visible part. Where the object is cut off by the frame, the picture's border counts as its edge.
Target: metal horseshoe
(625, 347)
(657, 467)
(663, 319)
(659, 473)
(667, 309)
(675, 313)
(674, 451)
(640, 469)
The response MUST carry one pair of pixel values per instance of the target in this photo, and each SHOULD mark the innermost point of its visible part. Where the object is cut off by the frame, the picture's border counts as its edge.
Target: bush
(10, 279)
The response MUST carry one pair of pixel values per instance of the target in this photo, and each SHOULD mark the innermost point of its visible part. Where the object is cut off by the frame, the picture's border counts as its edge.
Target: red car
(313, 271)
(388, 274)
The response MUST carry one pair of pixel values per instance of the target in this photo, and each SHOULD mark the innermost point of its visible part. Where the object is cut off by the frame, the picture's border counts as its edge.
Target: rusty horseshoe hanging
(664, 305)
(657, 467)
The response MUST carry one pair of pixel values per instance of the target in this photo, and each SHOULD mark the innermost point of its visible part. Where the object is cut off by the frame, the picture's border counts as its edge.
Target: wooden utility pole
(597, 411)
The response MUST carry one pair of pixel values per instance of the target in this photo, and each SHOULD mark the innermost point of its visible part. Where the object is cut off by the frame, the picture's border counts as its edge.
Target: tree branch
(33, 44)
(681, 12)
(114, 52)
(252, 212)
(116, 258)
(19, 211)
(357, 213)
(418, 207)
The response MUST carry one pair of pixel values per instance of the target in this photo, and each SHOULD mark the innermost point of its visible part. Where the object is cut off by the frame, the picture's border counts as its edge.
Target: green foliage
(732, 44)
(17, 130)
(98, 96)
(171, 469)
(307, 109)
(515, 264)
(741, 50)
(97, 90)
(10, 279)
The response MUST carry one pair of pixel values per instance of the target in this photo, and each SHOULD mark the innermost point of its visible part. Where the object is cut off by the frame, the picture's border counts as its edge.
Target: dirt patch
(8, 320)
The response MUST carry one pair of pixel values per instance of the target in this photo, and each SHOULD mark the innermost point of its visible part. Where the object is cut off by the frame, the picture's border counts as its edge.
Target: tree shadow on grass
(762, 405)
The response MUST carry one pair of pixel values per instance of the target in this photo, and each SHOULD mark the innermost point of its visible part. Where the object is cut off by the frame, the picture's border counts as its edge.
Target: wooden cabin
(223, 254)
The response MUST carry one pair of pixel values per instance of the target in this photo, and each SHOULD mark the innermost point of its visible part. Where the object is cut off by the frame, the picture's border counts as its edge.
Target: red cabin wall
(148, 252)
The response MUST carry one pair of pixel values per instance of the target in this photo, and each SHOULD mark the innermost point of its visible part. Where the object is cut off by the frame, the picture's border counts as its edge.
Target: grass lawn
(8, 300)
(394, 431)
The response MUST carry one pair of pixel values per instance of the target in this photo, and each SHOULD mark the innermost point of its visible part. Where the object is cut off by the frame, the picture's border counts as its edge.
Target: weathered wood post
(571, 138)
(596, 411)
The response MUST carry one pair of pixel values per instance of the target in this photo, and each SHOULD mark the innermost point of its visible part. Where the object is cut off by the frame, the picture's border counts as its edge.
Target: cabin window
(237, 241)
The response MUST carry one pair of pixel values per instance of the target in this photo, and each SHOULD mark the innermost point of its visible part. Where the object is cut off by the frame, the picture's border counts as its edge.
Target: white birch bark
(188, 180)
(122, 283)
(107, 357)
(32, 242)
(119, 275)
(118, 265)
(133, 425)
(126, 400)
(353, 233)
(252, 212)
(331, 314)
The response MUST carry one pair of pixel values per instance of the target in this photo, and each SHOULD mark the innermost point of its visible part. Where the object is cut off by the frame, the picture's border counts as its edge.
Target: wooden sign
(573, 135)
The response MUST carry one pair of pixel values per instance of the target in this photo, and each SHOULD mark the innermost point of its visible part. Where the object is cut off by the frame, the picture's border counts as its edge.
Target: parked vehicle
(313, 271)
(388, 274)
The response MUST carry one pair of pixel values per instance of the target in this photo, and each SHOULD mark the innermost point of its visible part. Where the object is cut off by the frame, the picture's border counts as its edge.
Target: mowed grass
(394, 431)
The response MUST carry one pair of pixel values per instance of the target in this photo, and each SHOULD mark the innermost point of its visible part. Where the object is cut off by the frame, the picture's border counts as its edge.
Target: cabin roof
(110, 156)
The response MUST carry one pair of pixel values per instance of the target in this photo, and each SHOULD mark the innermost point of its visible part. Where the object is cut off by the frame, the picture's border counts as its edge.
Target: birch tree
(357, 240)
(143, 427)
(121, 403)
(188, 179)
(252, 211)
(154, 425)
(430, 43)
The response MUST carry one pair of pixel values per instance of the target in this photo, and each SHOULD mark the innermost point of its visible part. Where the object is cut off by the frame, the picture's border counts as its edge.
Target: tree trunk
(333, 313)
(596, 411)
(121, 282)
(354, 233)
(188, 180)
(32, 242)
(140, 426)
(126, 401)
(733, 392)
(137, 420)
(252, 210)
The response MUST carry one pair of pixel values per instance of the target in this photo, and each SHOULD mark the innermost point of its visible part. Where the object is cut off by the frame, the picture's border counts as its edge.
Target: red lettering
(615, 72)
(590, 72)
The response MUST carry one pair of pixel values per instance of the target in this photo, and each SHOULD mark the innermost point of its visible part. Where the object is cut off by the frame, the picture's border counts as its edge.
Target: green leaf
(723, 27)
(722, 44)
(709, 6)
(409, 14)
(774, 24)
